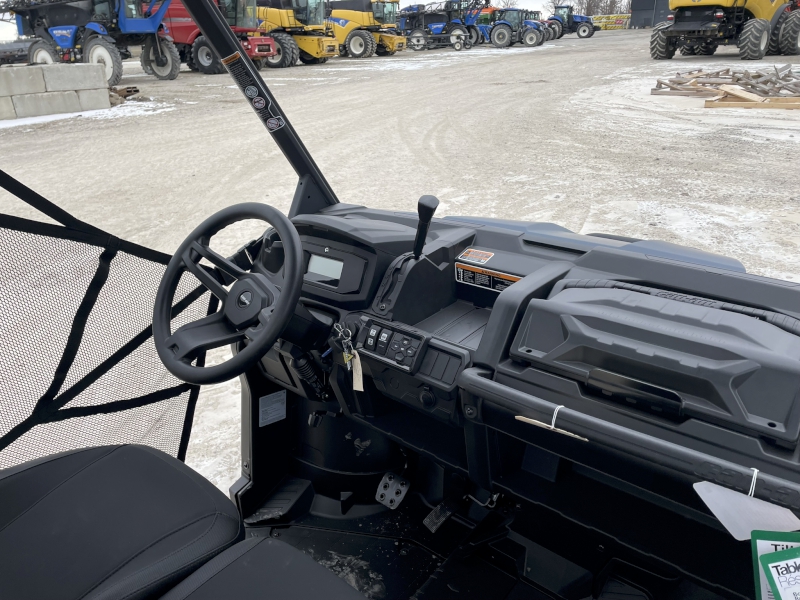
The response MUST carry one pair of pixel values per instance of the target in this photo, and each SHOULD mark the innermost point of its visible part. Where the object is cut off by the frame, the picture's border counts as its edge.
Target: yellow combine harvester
(299, 30)
(366, 27)
(757, 27)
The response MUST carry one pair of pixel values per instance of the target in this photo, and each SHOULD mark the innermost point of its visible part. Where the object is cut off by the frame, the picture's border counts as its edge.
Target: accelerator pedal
(440, 514)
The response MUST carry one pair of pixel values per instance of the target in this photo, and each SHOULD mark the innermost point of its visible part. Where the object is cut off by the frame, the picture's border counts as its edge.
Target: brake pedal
(391, 490)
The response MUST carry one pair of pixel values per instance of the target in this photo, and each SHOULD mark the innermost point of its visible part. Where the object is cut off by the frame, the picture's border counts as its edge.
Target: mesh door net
(78, 366)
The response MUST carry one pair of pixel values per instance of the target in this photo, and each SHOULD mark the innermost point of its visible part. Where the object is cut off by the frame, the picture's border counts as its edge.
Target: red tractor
(195, 50)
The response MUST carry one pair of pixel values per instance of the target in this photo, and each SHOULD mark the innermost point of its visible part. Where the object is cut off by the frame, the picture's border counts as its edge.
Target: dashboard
(499, 319)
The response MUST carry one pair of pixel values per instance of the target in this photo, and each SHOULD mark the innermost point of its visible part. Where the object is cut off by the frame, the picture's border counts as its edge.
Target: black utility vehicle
(462, 408)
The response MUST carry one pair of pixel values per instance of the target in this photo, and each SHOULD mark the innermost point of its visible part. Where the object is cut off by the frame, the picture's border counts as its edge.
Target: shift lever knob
(425, 208)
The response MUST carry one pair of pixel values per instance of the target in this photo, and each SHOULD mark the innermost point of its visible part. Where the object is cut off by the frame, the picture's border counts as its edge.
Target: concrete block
(94, 99)
(7, 108)
(63, 78)
(49, 103)
(15, 81)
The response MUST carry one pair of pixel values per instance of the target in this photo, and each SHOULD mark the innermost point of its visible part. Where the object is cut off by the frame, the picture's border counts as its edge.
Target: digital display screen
(325, 270)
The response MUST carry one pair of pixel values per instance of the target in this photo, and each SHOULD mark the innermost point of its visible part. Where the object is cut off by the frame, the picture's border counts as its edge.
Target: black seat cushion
(263, 569)
(122, 522)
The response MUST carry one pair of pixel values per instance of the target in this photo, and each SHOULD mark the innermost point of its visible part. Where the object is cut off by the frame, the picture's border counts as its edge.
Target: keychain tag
(358, 376)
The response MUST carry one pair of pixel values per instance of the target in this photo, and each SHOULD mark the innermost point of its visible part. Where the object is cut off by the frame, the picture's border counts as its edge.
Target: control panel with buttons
(391, 343)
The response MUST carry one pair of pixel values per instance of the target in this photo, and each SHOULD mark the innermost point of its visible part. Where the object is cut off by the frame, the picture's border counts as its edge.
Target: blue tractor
(567, 22)
(513, 26)
(440, 24)
(97, 31)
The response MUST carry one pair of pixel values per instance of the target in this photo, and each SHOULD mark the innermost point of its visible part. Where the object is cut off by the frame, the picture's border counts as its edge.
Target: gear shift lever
(425, 208)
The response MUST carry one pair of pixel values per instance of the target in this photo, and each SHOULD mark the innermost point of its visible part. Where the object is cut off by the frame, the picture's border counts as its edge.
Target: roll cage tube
(313, 190)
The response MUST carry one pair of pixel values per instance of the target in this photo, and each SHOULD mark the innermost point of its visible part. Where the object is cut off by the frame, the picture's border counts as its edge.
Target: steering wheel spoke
(222, 263)
(207, 333)
(206, 277)
(264, 317)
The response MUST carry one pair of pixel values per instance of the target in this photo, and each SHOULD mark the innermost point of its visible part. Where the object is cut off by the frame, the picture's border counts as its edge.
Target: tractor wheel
(205, 58)
(501, 36)
(287, 51)
(585, 30)
(190, 59)
(688, 50)
(661, 47)
(358, 43)
(592, 30)
(549, 32)
(530, 37)
(790, 34)
(475, 36)
(774, 46)
(145, 65)
(259, 63)
(99, 51)
(458, 34)
(172, 59)
(558, 27)
(417, 40)
(706, 49)
(542, 36)
(754, 39)
(42, 53)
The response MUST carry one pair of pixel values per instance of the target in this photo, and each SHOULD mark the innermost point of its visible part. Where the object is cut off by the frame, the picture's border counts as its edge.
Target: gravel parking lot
(566, 132)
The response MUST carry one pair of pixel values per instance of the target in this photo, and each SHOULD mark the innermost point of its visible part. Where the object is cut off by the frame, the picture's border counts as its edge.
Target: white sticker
(272, 408)
(741, 514)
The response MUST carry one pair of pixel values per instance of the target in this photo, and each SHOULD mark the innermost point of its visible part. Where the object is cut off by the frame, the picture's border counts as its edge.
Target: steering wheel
(254, 307)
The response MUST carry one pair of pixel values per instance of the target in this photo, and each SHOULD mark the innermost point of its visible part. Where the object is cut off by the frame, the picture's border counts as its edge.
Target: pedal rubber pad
(391, 490)
(439, 515)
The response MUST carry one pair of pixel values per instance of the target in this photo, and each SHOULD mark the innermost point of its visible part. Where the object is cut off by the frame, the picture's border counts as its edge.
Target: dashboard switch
(399, 357)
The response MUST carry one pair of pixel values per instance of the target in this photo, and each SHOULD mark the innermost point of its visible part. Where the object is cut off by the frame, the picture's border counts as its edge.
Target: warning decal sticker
(484, 278)
(479, 257)
(238, 69)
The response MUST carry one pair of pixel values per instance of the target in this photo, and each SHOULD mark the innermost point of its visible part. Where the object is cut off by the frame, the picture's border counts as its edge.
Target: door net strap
(78, 366)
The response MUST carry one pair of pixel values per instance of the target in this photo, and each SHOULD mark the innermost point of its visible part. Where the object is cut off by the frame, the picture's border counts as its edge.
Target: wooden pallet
(778, 82)
(732, 101)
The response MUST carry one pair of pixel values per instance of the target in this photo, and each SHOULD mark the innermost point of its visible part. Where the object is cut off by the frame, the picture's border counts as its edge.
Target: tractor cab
(512, 16)
(240, 14)
(565, 14)
(385, 13)
(308, 13)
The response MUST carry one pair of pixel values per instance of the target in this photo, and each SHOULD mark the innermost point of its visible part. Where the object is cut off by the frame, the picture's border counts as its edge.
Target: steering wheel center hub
(245, 301)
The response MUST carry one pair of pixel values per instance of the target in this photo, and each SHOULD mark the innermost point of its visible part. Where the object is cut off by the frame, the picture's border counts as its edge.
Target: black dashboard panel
(600, 369)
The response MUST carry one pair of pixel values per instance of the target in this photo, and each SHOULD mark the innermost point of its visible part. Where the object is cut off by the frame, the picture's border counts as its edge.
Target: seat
(263, 569)
(122, 522)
